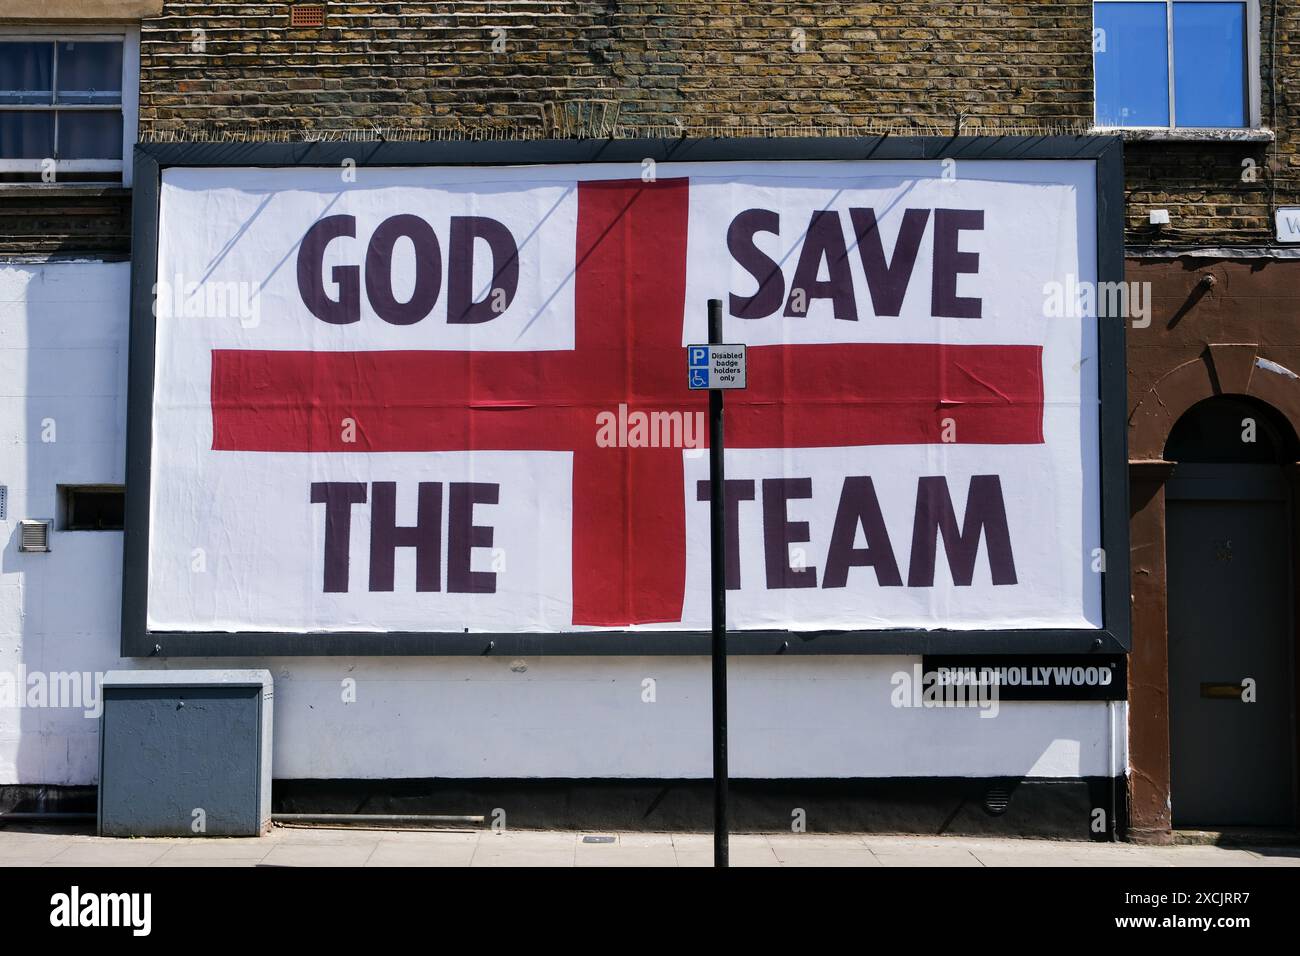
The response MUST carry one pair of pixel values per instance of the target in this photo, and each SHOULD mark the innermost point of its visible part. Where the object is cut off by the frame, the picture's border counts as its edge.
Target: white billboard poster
(454, 399)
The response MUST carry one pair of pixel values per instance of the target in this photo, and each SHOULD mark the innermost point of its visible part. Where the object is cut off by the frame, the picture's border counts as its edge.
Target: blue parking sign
(715, 366)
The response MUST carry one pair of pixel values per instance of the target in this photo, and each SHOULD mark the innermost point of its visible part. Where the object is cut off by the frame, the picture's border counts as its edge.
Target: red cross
(629, 513)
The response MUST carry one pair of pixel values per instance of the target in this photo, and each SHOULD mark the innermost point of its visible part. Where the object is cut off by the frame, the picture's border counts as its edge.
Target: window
(68, 105)
(92, 507)
(1176, 63)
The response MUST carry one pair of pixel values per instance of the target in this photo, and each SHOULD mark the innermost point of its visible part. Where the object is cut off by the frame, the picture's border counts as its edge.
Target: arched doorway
(1230, 616)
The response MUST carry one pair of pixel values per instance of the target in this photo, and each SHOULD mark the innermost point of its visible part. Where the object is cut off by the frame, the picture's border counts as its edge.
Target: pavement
(316, 846)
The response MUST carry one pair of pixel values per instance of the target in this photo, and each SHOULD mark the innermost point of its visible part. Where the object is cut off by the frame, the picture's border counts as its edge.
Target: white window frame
(129, 35)
(1253, 116)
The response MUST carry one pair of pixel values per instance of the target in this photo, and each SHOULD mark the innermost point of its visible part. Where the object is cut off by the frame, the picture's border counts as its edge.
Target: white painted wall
(63, 334)
(62, 366)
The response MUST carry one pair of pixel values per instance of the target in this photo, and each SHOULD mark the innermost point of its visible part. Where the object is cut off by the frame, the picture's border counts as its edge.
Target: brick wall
(617, 67)
(539, 68)
(433, 65)
(71, 221)
(1216, 193)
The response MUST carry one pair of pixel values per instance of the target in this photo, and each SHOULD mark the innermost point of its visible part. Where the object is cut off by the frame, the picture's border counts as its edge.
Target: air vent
(997, 800)
(4, 502)
(307, 15)
(34, 535)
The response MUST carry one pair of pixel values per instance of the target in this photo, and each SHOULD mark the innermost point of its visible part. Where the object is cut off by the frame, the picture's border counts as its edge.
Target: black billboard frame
(1106, 152)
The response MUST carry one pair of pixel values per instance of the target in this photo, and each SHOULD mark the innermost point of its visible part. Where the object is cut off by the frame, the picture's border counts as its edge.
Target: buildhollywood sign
(461, 404)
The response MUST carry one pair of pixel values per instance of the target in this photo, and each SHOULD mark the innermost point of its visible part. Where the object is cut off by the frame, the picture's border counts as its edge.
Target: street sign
(1287, 220)
(715, 366)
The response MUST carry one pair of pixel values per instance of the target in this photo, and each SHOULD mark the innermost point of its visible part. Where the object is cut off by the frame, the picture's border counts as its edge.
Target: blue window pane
(26, 135)
(1210, 64)
(90, 72)
(26, 72)
(1132, 64)
(87, 135)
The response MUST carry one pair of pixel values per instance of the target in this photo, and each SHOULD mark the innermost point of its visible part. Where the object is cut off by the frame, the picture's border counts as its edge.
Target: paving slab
(330, 836)
(436, 848)
(30, 849)
(631, 856)
(926, 856)
(108, 852)
(1205, 856)
(332, 854)
(849, 855)
(304, 846)
(423, 853)
(526, 848)
(197, 852)
(743, 849)
(628, 849)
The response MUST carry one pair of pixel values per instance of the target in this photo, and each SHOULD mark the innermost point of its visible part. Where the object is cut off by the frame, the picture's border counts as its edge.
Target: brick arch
(1219, 370)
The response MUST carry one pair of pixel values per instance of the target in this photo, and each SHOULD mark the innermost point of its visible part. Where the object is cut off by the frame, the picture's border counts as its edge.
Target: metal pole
(718, 565)
(378, 818)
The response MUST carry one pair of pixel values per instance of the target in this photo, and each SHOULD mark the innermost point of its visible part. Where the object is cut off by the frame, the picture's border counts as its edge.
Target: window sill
(84, 9)
(1187, 134)
(55, 190)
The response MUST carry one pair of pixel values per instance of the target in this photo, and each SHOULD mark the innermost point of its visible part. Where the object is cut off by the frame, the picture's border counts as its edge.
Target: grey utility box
(185, 753)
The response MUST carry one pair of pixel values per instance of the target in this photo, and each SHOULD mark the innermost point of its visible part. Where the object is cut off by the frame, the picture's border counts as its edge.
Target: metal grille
(34, 536)
(307, 15)
(997, 800)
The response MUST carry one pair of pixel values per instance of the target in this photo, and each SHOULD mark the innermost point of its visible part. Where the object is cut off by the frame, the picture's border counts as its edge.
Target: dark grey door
(1229, 564)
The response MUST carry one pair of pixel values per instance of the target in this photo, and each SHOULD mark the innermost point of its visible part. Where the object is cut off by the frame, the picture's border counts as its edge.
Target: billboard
(427, 406)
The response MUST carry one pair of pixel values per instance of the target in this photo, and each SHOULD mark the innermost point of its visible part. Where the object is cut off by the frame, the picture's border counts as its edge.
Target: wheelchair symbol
(699, 378)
